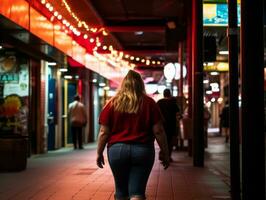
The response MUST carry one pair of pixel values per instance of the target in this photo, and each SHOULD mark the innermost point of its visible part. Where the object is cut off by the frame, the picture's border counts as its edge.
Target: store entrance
(72, 91)
(51, 112)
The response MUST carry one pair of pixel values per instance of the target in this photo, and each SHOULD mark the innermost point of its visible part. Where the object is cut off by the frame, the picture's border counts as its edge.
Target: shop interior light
(102, 84)
(68, 77)
(1, 47)
(210, 63)
(214, 73)
(63, 69)
(94, 80)
(206, 81)
(223, 52)
(139, 33)
(51, 63)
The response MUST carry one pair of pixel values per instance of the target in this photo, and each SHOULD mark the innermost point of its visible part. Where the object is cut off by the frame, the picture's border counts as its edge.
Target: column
(252, 76)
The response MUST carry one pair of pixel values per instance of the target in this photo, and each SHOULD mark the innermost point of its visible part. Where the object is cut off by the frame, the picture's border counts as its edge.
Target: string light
(116, 56)
(70, 26)
(85, 36)
(120, 56)
(81, 23)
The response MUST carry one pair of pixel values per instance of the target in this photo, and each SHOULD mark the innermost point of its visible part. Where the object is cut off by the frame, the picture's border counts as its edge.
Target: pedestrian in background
(78, 119)
(224, 120)
(206, 119)
(169, 110)
(130, 122)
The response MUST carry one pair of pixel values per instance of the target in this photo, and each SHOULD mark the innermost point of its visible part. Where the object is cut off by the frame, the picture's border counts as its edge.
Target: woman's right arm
(160, 137)
(102, 140)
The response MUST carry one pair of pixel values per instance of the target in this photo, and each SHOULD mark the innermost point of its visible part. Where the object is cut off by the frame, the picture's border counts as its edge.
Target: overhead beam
(143, 52)
(140, 21)
(149, 52)
(134, 25)
(135, 28)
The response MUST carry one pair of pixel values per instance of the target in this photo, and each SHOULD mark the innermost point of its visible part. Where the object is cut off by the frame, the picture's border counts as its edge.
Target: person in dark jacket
(224, 116)
(169, 109)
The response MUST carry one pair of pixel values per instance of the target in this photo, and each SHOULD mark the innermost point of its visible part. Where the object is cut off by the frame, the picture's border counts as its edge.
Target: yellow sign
(219, 66)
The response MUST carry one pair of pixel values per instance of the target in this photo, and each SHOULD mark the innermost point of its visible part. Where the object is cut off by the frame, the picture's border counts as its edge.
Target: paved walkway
(67, 174)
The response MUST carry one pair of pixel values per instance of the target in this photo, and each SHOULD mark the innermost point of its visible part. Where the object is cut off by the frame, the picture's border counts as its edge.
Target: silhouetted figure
(129, 124)
(78, 119)
(169, 110)
(225, 121)
(206, 118)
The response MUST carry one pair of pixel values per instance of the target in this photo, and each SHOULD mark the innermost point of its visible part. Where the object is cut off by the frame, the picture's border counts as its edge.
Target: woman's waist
(132, 143)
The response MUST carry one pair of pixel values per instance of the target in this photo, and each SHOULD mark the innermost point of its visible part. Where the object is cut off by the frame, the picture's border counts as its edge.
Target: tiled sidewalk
(66, 174)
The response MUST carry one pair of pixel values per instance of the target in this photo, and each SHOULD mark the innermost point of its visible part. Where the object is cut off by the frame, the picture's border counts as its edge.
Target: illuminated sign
(220, 67)
(9, 77)
(217, 14)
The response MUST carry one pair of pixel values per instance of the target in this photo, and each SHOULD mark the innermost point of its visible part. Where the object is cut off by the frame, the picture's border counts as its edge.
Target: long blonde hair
(128, 99)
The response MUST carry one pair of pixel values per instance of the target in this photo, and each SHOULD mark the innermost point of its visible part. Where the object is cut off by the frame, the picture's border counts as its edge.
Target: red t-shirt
(131, 128)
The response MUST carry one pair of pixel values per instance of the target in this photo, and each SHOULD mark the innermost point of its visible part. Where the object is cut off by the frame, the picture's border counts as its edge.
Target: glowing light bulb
(47, 5)
(85, 36)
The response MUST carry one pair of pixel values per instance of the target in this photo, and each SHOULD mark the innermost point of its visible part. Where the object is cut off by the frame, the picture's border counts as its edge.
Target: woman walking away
(130, 122)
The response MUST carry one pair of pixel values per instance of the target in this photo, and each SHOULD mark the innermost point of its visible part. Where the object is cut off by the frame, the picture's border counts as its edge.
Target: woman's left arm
(102, 140)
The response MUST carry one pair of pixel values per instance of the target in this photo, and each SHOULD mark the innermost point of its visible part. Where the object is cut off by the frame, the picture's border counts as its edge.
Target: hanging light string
(81, 23)
(118, 57)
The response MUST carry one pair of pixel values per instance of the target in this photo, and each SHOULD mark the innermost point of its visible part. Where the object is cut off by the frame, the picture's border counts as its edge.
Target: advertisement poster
(217, 14)
(14, 92)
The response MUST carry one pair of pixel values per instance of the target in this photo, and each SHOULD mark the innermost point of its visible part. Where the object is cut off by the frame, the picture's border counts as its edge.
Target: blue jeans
(131, 165)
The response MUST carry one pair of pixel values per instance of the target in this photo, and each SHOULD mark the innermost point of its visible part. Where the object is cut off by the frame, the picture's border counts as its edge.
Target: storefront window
(14, 93)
